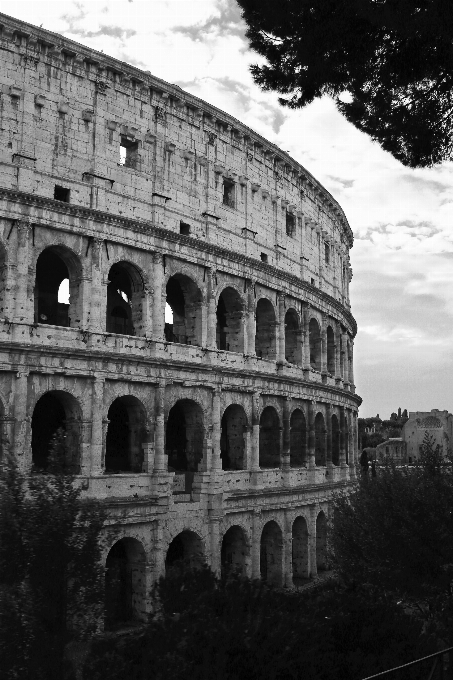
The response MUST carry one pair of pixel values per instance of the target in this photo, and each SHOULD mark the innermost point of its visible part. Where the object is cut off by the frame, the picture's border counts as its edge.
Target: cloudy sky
(402, 258)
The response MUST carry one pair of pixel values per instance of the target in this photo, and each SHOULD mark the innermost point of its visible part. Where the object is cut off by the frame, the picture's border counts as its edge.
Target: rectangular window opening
(128, 153)
(312, 282)
(290, 224)
(228, 193)
(184, 228)
(263, 257)
(327, 253)
(61, 194)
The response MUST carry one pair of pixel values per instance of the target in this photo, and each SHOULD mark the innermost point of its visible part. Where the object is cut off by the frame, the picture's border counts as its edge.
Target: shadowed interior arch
(298, 439)
(126, 432)
(125, 584)
(124, 300)
(230, 327)
(56, 416)
(271, 554)
(235, 552)
(186, 551)
(56, 294)
(265, 340)
(269, 443)
(232, 439)
(314, 335)
(320, 440)
(184, 298)
(293, 345)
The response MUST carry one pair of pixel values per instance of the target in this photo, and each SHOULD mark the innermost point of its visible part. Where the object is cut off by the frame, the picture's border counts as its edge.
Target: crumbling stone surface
(219, 429)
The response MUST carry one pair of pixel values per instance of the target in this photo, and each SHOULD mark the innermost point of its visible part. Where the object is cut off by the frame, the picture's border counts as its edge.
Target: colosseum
(175, 297)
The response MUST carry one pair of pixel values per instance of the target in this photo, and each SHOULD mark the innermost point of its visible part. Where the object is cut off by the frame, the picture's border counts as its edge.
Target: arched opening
(126, 433)
(57, 288)
(314, 335)
(185, 552)
(293, 346)
(184, 299)
(184, 442)
(3, 270)
(124, 300)
(234, 552)
(125, 585)
(265, 343)
(321, 542)
(300, 551)
(55, 427)
(271, 554)
(232, 438)
(298, 439)
(330, 350)
(335, 441)
(320, 440)
(269, 455)
(230, 327)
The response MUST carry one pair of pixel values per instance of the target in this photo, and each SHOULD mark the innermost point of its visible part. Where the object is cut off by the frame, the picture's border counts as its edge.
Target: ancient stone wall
(201, 368)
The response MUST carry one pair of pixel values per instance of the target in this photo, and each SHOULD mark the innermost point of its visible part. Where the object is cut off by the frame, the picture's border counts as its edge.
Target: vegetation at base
(391, 59)
(239, 629)
(395, 532)
(51, 576)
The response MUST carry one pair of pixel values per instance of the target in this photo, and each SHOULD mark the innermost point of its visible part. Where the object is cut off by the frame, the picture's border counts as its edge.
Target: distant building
(395, 448)
(438, 423)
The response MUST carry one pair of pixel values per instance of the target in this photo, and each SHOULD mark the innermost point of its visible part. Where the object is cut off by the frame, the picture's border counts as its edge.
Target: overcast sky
(402, 258)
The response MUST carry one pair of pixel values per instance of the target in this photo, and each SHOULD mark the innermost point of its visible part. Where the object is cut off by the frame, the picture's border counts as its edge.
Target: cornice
(148, 228)
(39, 41)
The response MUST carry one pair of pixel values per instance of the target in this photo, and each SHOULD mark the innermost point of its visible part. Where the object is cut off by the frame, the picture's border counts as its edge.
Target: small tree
(51, 577)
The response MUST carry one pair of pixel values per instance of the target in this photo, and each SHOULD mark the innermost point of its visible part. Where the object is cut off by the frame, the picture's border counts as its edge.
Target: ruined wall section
(65, 110)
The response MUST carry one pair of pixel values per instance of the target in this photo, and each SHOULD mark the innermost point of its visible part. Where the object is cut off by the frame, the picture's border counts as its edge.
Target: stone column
(256, 542)
(159, 297)
(146, 326)
(255, 458)
(211, 316)
(22, 283)
(311, 439)
(324, 346)
(97, 401)
(351, 363)
(287, 553)
(249, 344)
(280, 328)
(22, 453)
(344, 337)
(306, 340)
(343, 435)
(215, 462)
(214, 534)
(98, 302)
(160, 461)
(353, 447)
(312, 565)
(329, 440)
(338, 376)
(285, 457)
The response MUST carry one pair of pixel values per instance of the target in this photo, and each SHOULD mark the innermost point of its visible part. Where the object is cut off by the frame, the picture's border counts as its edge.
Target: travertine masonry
(202, 367)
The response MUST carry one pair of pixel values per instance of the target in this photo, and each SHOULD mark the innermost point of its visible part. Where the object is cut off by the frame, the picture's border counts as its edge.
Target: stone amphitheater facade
(202, 370)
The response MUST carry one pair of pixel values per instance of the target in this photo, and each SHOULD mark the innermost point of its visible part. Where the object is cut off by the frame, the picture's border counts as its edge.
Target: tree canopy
(395, 532)
(388, 64)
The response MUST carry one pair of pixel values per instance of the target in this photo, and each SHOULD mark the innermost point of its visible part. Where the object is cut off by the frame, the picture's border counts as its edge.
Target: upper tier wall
(127, 143)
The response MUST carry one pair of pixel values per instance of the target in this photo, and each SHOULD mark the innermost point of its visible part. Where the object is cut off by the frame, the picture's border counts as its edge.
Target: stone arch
(320, 440)
(186, 550)
(125, 299)
(5, 434)
(330, 338)
(235, 552)
(335, 440)
(230, 321)
(271, 554)
(185, 439)
(298, 439)
(265, 337)
(293, 344)
(321, 542)
(125, 583)
(126, 433)
(300, 550)
(184, 298)
(56, 423)
(269, 442)
(57, 297)
(232, 438)
(314, 335)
